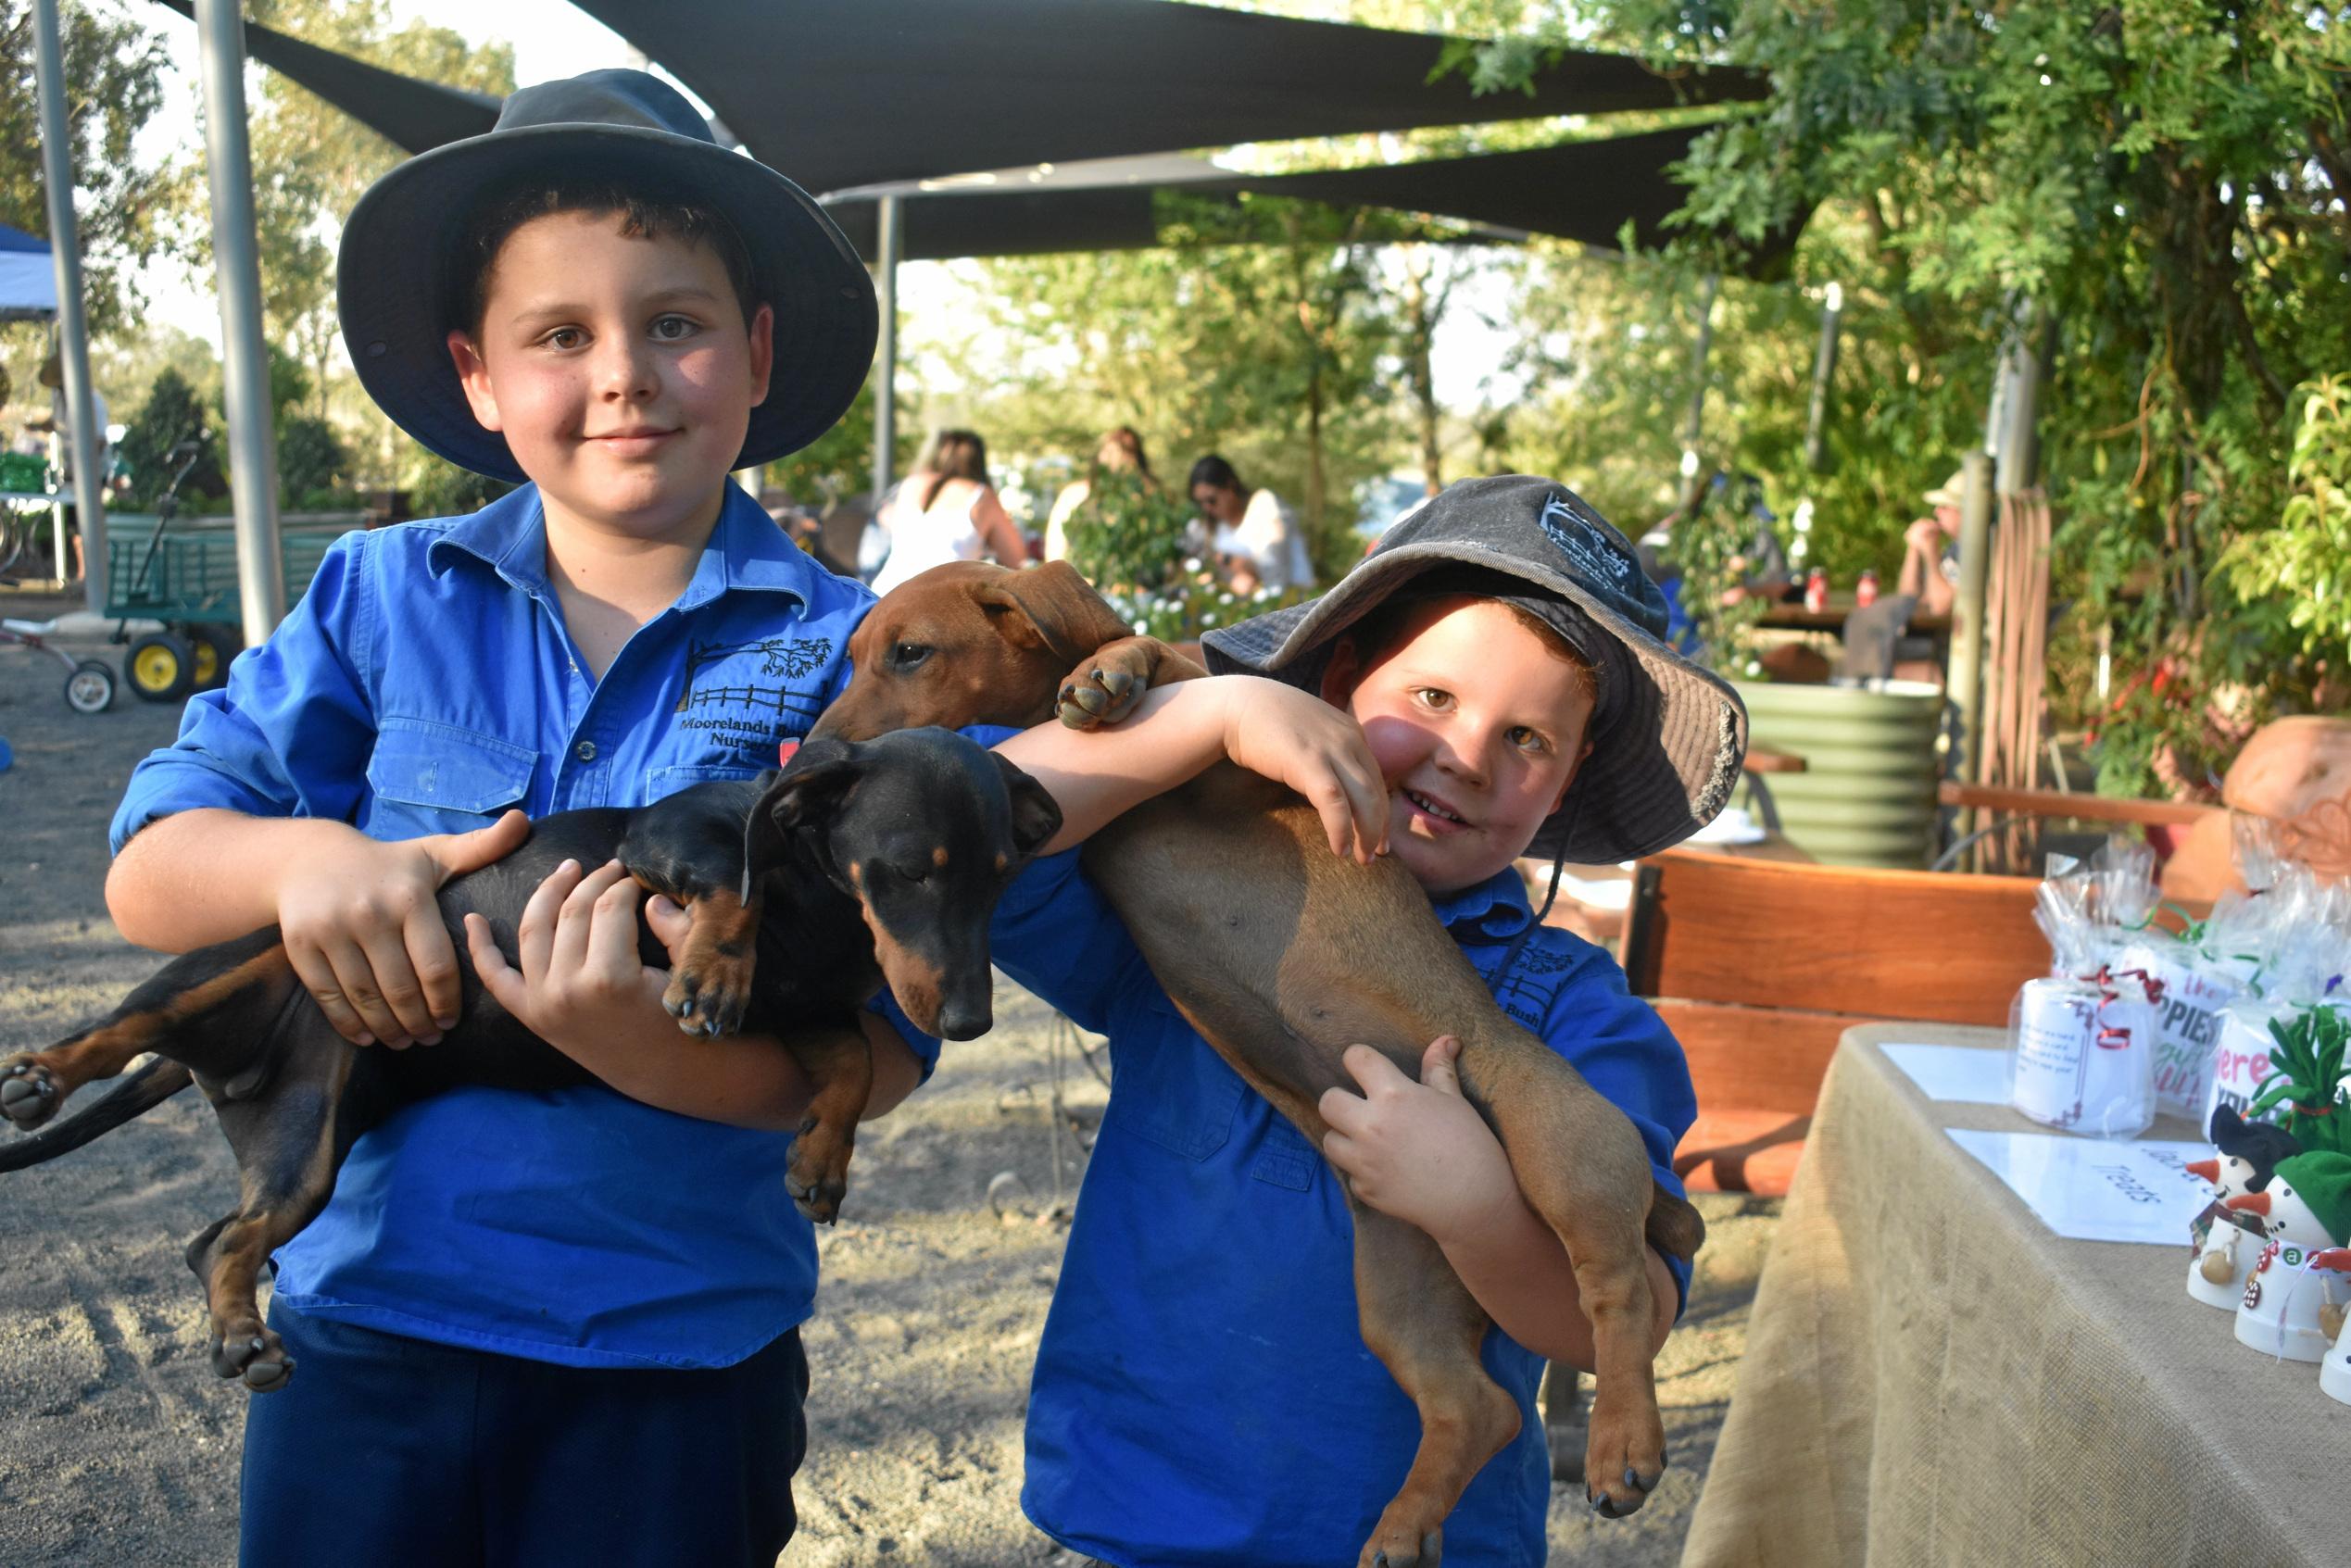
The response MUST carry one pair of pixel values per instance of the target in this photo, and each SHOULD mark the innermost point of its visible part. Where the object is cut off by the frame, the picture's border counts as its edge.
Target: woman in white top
(1258, 539)
(947, 510)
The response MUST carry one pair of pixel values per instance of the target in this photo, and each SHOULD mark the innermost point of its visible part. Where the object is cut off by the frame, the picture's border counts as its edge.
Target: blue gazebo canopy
(28, 277)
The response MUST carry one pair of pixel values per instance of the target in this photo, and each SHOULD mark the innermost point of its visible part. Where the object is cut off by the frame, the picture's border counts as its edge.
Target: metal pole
(886, 362)
(1967, 622)
(1824, 369)
(252, 437)
(73, 332)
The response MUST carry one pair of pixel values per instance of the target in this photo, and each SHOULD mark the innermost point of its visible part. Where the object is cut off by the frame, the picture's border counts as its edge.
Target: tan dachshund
(1282, 954)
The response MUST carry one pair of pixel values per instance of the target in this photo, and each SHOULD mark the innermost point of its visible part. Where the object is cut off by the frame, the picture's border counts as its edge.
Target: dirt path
(118, 1446)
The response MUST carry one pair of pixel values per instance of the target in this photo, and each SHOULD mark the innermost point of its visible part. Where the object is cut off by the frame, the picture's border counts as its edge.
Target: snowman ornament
(2306, 1218)
(2245, 1156)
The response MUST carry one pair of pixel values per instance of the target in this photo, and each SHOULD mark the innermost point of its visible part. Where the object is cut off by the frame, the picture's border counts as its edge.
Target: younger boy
(552, 1328)
(1202, 1394)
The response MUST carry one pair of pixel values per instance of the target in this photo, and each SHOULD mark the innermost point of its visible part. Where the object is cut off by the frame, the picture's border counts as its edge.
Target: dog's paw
(28, 1091)
(1099, 696)
(256, 1358)
(817, 1179)
(1402, 1546)
(1623, 1463)
(709, 993)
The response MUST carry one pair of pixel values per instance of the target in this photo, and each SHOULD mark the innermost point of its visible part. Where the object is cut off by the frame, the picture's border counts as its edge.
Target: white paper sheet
(2093, 1190)
(1959, 1074)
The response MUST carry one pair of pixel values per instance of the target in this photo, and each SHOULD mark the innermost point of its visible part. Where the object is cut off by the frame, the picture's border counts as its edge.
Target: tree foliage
(311, 161)
(2165, 183)
(1256, 330)
(172, 413)
(124, 213)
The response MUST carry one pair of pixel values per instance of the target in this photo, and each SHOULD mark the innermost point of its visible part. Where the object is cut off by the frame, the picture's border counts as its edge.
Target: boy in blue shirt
(1202, 1394)
(555, 1327)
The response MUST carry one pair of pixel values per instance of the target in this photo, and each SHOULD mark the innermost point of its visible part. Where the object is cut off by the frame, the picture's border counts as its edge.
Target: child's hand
(1419, 1152)
(1297, 739)
(577, 959)
(363, 928)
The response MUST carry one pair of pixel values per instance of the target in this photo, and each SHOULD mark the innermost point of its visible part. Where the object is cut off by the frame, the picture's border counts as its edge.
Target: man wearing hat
(1928, 580)
(1931, 564)
(1203, 1394)
(552, 1328)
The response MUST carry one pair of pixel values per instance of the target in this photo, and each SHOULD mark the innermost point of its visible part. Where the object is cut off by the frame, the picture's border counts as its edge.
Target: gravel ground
(118, 1445)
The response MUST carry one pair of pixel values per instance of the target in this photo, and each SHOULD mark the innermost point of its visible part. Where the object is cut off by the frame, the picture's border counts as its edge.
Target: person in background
(1257, 540)
(1121, 451)
(947, 510)
(1930, 582)
(1930, 562)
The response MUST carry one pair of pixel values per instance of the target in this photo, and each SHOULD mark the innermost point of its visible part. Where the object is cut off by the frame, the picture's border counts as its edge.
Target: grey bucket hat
(399, 279)
(1668, 736)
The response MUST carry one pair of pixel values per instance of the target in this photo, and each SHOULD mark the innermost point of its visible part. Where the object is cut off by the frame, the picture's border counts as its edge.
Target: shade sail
(843, 93)
(412, 114)
(28, 277)
(1340, 78)
(1583, 190)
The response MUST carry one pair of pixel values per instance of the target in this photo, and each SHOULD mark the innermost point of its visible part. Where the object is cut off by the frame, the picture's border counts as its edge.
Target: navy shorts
(399, 1452)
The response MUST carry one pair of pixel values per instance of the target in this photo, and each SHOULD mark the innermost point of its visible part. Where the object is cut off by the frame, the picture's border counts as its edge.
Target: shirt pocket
(663, 782)
(429, 777)
(1179, 1095)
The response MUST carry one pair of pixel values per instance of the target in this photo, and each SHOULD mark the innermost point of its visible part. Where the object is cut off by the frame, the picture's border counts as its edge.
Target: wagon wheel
(161, 667)
(90, 689)
(214, 646)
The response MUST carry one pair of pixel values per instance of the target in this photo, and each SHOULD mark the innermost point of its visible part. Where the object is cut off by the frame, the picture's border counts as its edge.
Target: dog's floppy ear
(1050, 607)
(821, 773)
(1036, 816)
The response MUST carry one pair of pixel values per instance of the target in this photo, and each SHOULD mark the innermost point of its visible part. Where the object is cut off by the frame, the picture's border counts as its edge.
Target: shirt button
(584, 751)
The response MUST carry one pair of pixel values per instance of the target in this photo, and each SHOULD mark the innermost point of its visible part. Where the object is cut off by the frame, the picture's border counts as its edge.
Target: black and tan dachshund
(858, 863)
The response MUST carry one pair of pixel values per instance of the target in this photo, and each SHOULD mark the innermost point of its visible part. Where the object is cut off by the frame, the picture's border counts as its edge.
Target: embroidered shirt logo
(752, 695)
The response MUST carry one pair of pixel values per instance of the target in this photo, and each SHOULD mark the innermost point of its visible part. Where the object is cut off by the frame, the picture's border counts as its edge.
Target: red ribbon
(2114, 1037)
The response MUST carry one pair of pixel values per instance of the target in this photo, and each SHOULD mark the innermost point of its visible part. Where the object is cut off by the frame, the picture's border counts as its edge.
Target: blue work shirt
(1202, 1393)
(425, 685)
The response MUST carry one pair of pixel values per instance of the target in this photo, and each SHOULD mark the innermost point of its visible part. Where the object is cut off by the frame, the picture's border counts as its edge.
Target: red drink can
(1865, 592)
(1817, 591)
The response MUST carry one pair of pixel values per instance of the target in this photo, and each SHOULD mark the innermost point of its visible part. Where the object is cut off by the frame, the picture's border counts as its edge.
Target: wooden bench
(1759, 966)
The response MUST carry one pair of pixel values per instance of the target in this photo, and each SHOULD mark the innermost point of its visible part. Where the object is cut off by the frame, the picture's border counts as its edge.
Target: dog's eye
(906, 656)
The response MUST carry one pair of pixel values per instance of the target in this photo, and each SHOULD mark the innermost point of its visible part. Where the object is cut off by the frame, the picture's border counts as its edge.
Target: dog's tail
(1674, 1227)
(141, 1090)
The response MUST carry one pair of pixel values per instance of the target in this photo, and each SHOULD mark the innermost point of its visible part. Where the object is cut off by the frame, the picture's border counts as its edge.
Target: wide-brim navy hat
(1667, 737)
(399, 277)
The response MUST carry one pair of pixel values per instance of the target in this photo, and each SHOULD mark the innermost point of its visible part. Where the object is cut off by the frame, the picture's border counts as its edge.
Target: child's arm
(578, 984)
(359, 916)
(1421, 1153)
(1176, 732)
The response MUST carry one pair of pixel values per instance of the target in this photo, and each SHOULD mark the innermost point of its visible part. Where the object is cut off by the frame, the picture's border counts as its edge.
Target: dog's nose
(965, 1020)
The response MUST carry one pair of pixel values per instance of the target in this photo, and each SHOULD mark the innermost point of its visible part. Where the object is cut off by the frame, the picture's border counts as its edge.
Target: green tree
(314, 466)
(172, 413)
(2162, 181)
(124, 213)
(1254, 331)
(311, 161)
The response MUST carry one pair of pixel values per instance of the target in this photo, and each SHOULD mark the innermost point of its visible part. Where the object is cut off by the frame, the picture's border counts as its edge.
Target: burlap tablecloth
(1933, 1377)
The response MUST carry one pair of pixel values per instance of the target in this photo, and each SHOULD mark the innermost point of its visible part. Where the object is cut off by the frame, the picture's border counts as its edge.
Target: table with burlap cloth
(1931, 1376)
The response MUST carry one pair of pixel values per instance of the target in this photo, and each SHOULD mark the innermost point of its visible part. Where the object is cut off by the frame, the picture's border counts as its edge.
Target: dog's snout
(965, 1020)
